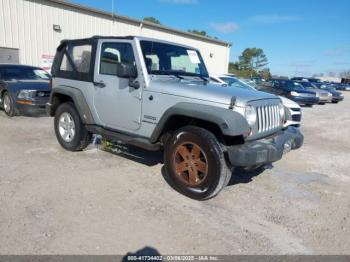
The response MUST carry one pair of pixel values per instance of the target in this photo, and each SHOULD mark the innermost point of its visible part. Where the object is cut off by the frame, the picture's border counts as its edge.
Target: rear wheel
(70, 131)
(195, 163)
(8, 105)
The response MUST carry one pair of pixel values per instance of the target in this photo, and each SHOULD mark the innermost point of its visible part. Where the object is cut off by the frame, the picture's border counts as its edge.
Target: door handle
(100, 84)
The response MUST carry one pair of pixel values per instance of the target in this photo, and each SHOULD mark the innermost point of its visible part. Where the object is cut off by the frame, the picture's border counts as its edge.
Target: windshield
(13, 73)
(167, 59)
(308, 85)
(234, 82)
(293, 85)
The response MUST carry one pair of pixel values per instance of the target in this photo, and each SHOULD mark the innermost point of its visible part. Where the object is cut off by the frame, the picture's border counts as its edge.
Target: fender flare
(79, 101)
(231, 123)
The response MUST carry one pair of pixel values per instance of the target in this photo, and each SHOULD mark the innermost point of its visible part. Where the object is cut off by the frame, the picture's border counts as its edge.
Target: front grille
(323, 95)
(268, 118)
(307, 95)
(296, 118)
(42, 94)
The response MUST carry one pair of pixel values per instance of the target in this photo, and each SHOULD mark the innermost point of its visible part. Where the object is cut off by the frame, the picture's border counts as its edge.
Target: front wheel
(70, 131)
(195, 163)
(8, 105)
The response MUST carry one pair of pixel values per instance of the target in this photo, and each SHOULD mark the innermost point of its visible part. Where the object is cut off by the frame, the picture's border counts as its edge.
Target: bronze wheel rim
(190, 163)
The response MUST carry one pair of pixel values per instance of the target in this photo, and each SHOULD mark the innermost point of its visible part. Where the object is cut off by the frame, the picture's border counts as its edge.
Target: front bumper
(337, 98)
(326, 99)
(265, 150)
(305, 100)
(31, 107)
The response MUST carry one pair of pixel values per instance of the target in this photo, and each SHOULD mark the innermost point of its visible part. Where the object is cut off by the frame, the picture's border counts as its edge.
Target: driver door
(117, 104)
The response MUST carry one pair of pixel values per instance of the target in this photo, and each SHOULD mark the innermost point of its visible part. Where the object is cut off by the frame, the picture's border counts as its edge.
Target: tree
(233, 67)
(152, 20)
(265, 73)
(251, 63)
(201, 32)
(253, 59)
(198, 32)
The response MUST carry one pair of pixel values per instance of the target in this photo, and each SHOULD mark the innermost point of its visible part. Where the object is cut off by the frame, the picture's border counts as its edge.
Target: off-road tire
(82, 137)
(218, 173)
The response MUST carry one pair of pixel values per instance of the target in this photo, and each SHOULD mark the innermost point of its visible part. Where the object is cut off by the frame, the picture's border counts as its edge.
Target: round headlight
(250, 114)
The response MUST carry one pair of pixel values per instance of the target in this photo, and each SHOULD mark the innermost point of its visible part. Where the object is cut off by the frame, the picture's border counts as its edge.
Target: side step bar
(124, 138)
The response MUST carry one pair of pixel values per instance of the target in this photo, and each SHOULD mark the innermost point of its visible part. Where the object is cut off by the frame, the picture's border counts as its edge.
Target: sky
(299, 37)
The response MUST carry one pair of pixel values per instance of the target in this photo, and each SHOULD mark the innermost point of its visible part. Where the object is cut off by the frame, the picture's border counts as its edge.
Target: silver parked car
(156, 95)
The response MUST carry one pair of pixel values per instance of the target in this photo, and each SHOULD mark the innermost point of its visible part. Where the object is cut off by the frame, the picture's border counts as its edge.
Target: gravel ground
(92, 202)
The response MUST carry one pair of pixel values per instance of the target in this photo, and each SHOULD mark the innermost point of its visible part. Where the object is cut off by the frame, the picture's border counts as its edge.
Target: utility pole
(113, 10)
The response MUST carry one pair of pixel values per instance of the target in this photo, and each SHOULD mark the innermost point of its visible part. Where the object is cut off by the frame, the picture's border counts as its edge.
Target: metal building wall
(28, 26)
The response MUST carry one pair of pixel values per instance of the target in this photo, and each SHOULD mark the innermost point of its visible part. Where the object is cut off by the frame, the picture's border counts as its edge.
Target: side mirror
(126, 71)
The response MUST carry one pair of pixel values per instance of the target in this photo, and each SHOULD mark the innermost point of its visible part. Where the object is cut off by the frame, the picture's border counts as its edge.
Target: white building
(330, 79)
(30, 31)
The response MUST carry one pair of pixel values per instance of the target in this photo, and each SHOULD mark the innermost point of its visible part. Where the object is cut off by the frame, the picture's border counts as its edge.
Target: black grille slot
(296, 118)
(42, 94)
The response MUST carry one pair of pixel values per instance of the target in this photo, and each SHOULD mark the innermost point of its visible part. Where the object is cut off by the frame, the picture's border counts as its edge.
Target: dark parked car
(311, 80)
(343, 87)
(292, 90)
(23, 89)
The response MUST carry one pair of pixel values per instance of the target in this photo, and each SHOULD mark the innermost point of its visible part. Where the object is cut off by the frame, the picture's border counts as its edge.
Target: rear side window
(114, 53)
(65, 64)
(75, 60)
(80, 59)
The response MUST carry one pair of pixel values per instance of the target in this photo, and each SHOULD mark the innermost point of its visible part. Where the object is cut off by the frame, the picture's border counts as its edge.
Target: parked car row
(293, 92)
(319, 83)
(303, 91)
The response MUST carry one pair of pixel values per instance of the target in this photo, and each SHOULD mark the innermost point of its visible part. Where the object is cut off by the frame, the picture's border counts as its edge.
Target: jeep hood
(199, 90)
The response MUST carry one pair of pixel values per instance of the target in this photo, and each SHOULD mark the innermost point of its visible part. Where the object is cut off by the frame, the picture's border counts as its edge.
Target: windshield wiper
(169, 74)
(204, 79)
(176, 75)
(195, 75)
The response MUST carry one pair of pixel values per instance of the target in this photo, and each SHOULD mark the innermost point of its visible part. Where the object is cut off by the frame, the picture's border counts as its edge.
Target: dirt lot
(93, 202)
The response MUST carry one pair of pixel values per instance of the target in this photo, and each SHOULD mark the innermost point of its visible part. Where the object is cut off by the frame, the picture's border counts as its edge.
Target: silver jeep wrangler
(156, 95)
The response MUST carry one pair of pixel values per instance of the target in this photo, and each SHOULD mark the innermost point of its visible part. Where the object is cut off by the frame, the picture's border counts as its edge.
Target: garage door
(9, 55)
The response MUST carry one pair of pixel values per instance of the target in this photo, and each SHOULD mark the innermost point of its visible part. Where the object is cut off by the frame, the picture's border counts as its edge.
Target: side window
(277, 84)
(80, 56)
(114, 53)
